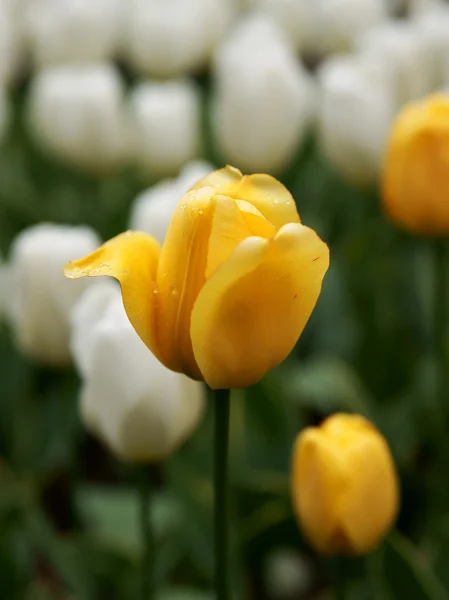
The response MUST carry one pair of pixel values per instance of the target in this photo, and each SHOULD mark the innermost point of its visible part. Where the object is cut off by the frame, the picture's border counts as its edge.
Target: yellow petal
(266, 193)
(270, 197)
(336, 472)
(233, 221)
(131, 258)
(181, 274)
(317, 483)
(252, 310)
(223, 180)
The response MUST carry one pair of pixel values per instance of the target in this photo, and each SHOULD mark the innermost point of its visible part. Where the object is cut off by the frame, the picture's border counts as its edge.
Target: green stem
(147, 534)
(340, 579)
(221, 515)
(438, 334)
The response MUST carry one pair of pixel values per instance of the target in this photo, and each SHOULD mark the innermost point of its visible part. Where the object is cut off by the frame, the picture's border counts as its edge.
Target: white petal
(165, 126)
(40, 299)
(77, 113)
(262, 103)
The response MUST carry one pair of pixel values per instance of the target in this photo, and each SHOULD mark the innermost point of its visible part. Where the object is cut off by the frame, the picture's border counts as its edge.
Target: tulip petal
(233, 221)
(181, 274)
(266, 193)
(132, 259)
(252, 310)
(223, 180)
(316, 491)
(270, 197)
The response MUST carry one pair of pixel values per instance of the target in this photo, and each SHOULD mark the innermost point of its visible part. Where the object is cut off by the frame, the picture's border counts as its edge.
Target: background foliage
(68, 512)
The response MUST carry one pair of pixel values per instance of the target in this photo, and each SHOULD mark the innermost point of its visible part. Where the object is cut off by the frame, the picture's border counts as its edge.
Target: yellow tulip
(416, 167)
(344, 484)
(227, 296)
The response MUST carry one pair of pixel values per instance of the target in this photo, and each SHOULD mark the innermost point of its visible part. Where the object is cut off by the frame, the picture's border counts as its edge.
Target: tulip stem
(221, 508)
(147, 534)
(439, 330)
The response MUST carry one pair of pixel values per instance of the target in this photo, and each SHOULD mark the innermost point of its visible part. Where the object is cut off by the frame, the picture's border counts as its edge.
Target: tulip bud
(11, 41)
(72, 31)
(341, 22)
(357, 106)
(433, 28)
(418, 7)
(344, 484)
(153, 208)
(77, 114)
(166, 124)
(139, 408)
(39, 300)
(236, 267)
(416, 168)
(169, 38)
(298, 19)
(263, 98)
(399, 47)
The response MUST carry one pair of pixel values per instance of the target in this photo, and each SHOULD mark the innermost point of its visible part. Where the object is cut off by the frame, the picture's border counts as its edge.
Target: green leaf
(407, 572)
(112, 515)
(327, 385)
(184, 594)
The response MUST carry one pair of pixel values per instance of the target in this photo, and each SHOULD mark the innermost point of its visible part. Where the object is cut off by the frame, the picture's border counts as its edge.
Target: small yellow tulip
(416, 168)
(344, 484)
(227, 296)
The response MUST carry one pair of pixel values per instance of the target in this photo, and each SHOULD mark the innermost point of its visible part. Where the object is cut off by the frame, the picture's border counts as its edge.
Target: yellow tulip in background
(344, 485)
(416, 167)
(227, 296)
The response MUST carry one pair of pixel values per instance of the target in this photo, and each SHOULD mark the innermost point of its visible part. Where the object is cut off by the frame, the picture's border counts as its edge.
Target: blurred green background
(68, 512)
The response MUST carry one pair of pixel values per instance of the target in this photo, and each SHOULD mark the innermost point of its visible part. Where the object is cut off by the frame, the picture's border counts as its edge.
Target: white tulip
(165, 125)
(398, 48)
(78, 114)
(324, 25)
(341, 22)
(39, 298)
(72, 31)
(139, 408)
(262, 104)
(11, 41)
(417, 7)
(299, 19)
(287, 573)
(168, 38)
(357, 106)
(433, 28)
(152, 210)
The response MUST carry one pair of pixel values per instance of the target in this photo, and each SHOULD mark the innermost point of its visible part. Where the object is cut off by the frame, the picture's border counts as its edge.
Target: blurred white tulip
(263, 98)
(357, 106)
(299, 19)
(140, 409)
(342, 22)
(152, 210)
(78, 114)
(39, 298)
(168, 38)
(416, 7)
(433, 27)
(397, 47)
(11, 41)
(322, 26)
(72, 31)
(287, 574)
(165, 125)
